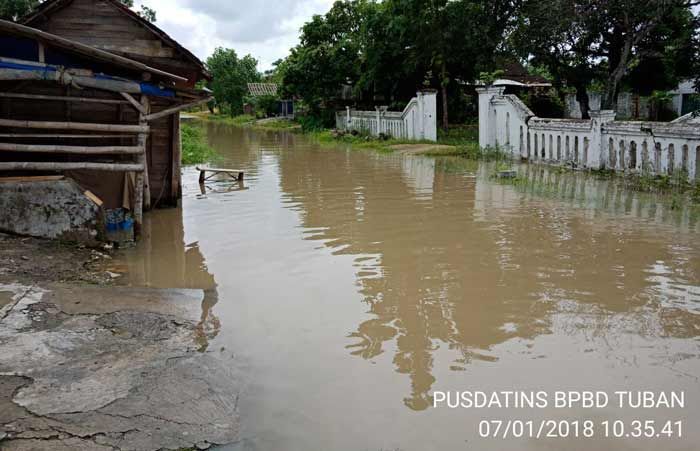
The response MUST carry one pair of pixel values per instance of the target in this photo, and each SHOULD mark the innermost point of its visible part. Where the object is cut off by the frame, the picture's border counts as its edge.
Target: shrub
(194, 145)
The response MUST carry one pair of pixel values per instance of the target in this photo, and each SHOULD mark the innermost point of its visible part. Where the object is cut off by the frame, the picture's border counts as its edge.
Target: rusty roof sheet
(262, 89)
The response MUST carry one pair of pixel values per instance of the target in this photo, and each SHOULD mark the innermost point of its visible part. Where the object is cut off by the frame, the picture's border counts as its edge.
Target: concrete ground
(96, 367)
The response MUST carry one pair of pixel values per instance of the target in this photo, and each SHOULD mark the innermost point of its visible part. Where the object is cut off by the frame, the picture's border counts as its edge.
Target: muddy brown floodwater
(351, 285)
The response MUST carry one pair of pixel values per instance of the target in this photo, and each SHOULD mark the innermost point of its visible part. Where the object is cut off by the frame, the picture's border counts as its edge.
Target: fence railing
(416, 122)
(660, 148)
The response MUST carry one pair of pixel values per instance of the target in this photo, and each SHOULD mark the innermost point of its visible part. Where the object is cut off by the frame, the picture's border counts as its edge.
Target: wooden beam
(134, 103)
(12, 95)
(177, 109)
(69, 166)
(78, 150)
(75, 126)
(32, 178)
(62, 136)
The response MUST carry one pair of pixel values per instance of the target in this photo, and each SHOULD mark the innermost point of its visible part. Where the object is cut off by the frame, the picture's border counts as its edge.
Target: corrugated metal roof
(262, 89)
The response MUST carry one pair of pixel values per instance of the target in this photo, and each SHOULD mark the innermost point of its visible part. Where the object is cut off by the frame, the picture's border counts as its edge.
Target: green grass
(471, 151)
(246, 120)
(360, 141)
(459, 135)
(242, 119)
(194, 146)
(276, 124)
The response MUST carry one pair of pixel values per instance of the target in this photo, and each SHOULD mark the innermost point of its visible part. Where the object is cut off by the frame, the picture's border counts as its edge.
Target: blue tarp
(146, 88)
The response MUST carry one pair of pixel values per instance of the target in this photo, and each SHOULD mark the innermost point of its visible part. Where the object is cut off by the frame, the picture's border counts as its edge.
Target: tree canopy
(14, 9)
(644, 45)
(386, 50)
(231, 76)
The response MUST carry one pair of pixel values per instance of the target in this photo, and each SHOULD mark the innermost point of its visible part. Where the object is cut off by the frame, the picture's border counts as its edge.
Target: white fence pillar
(487, 125)
(597, 156)
(427, 115)
(416, 121)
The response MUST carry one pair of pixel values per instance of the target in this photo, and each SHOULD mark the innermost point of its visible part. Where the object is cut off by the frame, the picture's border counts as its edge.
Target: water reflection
(163, 260)
(447, 259)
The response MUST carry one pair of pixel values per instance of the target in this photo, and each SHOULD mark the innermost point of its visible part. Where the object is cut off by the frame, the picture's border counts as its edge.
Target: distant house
(684, 99)
(285, 107)
(516, 75)
(92, 92)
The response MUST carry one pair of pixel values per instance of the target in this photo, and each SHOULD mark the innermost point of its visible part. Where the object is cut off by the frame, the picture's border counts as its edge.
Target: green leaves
(14, 9)
(231, 76)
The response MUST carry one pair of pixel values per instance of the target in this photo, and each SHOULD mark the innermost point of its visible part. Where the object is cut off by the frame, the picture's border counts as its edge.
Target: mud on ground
(89, 366)
(26, 259)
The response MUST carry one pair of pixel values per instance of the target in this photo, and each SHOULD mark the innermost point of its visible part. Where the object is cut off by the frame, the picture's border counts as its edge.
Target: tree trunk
(445, 123)
(612, 84)
(583, 101)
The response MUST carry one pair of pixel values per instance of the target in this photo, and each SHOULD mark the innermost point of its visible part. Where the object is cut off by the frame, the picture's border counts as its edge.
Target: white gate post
(428, 114)
(598, 119)
(487, 129)
(379, 120)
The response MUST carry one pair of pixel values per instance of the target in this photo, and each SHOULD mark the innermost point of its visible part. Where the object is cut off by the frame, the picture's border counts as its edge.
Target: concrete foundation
(50, 207)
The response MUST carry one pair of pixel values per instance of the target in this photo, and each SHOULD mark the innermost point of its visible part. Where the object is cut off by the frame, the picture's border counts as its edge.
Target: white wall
(657, 147)
(418, 120)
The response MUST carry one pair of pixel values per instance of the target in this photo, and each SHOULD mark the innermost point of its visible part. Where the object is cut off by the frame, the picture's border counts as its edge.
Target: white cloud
(266, 29)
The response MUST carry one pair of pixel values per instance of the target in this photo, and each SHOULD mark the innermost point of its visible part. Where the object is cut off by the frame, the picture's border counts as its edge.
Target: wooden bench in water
(214, 171)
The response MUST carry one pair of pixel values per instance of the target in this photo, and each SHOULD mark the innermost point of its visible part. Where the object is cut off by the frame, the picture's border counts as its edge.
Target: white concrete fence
(600, 142)
(417, 121)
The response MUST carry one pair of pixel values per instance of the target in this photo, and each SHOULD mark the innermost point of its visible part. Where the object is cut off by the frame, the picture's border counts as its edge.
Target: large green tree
(230, 76)
(386, 50)
(647, 44)
(14, 9)
(328, 55)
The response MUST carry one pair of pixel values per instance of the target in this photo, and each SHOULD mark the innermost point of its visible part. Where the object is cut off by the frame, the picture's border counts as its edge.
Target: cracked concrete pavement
(110, 368)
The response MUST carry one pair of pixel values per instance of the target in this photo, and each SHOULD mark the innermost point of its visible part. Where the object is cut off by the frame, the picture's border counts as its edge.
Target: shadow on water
(163, 260)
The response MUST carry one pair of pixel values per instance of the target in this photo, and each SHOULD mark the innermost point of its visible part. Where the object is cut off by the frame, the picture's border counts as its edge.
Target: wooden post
(42, 52)
(176, 159)
(138, 205)
(143, 158)
(134, 103)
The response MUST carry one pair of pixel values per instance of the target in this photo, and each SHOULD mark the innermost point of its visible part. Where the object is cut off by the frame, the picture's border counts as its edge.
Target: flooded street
(351, 285)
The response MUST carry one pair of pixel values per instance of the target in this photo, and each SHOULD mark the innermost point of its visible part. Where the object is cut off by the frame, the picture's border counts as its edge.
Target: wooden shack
(110, 26)
(93, 108)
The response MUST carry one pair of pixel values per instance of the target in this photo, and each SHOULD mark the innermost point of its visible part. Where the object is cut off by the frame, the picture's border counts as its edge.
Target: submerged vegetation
(194, 146)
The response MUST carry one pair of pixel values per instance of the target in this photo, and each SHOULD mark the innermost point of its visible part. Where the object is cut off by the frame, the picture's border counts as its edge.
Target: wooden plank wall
(160, 155)
(100, 24)
(160, 147)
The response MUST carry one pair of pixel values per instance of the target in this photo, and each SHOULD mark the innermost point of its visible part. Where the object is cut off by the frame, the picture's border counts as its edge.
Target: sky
(266, 29)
